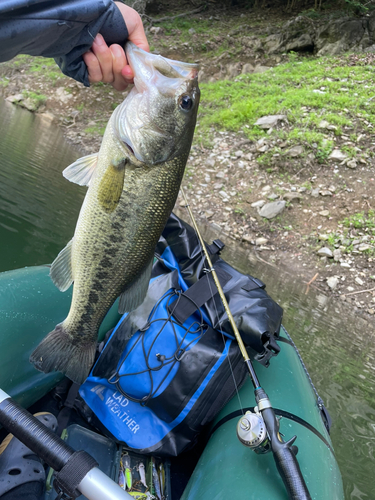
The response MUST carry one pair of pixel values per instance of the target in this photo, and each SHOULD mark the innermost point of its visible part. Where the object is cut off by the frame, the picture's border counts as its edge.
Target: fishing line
(207, 270)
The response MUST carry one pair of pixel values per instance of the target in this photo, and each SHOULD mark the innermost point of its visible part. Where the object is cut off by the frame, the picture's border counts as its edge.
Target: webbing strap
(66, 411)
(197, 295)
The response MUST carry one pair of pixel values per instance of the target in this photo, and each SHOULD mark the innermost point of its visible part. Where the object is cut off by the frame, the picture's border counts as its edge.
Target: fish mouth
(139, 60)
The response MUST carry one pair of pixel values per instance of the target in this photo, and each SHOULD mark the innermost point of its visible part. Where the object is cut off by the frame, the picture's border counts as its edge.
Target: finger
(104, 55)
(93, 67)
(127, 74)
(119, 61)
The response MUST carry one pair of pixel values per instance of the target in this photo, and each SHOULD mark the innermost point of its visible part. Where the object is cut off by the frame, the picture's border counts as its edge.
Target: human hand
(109, 64)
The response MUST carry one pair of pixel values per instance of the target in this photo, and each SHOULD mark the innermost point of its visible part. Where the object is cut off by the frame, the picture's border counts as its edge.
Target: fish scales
(133, 185)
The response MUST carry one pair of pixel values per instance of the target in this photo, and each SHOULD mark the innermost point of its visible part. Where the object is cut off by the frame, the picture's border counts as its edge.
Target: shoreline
(230, 189)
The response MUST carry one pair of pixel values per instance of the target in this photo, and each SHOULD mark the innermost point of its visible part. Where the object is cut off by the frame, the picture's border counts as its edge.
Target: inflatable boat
(216, 465)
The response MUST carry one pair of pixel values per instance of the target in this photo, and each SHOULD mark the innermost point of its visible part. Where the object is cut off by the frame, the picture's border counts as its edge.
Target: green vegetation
(96, 129)
(362, 221)
(36, 99)
(306, 90)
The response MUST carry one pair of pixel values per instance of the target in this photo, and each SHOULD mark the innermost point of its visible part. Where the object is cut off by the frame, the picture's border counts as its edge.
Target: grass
(38, 99)
(307, 90)
(364, 222)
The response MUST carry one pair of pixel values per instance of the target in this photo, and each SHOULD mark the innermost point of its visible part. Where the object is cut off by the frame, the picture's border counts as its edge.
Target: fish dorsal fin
(81, 171)
(111, 185)
(61, 269)
(133, 296)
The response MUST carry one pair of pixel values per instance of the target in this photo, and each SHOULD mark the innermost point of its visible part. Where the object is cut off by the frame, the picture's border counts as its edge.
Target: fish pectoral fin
(81, 171)
(61, 269)
(133, 296)
(111, 185)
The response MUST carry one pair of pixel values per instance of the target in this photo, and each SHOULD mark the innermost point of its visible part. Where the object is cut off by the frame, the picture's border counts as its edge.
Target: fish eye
(186, 102)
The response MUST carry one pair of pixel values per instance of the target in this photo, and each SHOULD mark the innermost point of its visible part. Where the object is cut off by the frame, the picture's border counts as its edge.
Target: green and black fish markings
(133, 184)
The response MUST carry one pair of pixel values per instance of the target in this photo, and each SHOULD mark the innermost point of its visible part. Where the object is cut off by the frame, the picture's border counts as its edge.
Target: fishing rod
(249, 428)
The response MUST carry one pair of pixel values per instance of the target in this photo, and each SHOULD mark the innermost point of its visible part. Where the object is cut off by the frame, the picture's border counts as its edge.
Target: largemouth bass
(133, 184)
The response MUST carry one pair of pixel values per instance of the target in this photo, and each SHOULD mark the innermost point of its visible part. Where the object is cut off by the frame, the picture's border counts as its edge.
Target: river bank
(302, 201)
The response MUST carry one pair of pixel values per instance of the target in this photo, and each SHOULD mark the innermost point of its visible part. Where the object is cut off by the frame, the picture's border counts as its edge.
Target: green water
(38, 212)
(38, 207)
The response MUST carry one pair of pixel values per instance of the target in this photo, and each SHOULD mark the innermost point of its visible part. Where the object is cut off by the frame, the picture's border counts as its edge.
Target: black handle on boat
(77, 470)
(284, 453)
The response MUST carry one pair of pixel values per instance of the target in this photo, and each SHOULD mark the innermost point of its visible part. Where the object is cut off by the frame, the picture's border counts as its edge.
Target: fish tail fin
(58, 351)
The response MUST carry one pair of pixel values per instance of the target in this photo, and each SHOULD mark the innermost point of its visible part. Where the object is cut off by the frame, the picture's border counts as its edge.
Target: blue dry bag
(165, 372)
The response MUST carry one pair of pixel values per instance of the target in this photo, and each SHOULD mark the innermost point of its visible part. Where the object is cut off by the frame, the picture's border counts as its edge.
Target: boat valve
(251, 431)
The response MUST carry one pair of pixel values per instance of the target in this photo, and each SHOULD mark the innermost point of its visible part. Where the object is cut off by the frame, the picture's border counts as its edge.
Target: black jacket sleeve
(63, 29)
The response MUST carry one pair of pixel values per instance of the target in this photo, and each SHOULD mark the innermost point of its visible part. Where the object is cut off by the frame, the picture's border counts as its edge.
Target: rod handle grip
(290, 472)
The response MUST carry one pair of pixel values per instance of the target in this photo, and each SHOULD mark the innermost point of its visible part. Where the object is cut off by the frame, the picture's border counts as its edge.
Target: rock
(156, 30)
(218, 185)
(62, 95)
(210, 162)
(261, 69)
(295, 151)
(258, 204)
(325, 192)
(351, 164)
(270, 121)
(324, 213)
(220, 175)
(238, 153)
(340, 36)
(272, 43)
(363, 247)
(332, 282)
(315, 192)
(273, 196)
(337, 155)
(271, 210)
(261, 241)
(345, 264)
(191, 31)
(336, 255)
(358, 280)
(292, 197)
(296, 35)
(30, 104)
(325, 252)
(233, 70)
(247, 68)
(15, 98)
(266, 189)
(209, 213)
(323, 124)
